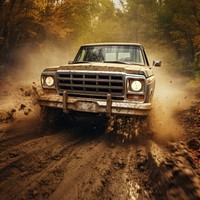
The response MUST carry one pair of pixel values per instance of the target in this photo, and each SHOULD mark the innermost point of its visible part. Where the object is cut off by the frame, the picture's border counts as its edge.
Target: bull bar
(107, 106)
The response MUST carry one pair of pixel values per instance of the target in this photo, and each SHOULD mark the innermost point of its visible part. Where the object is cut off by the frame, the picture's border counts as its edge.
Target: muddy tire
(50, 117)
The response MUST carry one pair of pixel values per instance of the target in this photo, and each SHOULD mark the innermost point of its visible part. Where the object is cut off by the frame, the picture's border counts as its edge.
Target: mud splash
(18, 102)
(126, 128)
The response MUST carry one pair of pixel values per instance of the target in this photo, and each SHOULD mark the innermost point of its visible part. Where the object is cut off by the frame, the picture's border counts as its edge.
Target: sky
(117, 3)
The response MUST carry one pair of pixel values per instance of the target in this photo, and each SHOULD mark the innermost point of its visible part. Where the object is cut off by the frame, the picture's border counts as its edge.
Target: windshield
(116, 54)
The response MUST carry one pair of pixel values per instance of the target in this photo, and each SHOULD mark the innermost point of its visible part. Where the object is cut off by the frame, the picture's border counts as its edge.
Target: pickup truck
(106, 78)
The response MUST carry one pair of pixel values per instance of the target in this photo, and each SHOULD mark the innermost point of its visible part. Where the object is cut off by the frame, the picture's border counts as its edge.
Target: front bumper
(107, 106)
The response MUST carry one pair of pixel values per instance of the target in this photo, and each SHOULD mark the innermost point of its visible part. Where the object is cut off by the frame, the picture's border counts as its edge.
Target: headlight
(49, 81)
(135, 85)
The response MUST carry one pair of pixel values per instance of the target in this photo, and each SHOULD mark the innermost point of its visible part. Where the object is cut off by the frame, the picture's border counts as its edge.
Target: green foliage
(179, 22)
(140, 19)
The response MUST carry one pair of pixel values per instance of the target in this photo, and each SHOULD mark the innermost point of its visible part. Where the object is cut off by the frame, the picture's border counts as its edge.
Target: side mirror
(156, 63)
(70, 62)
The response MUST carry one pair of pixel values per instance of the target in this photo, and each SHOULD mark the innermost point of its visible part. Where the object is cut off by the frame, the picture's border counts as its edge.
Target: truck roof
(112, 43)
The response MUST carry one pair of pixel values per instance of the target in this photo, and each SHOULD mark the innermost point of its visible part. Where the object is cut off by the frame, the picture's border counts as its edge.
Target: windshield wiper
(117, 61)
(122, 62)
(76, 62)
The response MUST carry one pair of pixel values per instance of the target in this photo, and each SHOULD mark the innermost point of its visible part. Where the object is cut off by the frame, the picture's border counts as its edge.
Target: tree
(140, 19)
(179, 22)
(20, 22)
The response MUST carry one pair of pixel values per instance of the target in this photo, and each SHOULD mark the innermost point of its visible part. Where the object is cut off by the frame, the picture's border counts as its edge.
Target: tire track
(36, 162)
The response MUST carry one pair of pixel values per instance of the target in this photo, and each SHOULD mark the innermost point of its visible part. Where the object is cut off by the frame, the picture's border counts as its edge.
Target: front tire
(50, 117)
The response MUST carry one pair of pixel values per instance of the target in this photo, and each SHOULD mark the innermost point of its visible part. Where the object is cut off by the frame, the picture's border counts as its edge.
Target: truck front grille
(91, 84)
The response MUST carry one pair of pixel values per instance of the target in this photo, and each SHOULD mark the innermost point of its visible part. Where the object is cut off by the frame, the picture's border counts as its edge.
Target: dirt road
(80, 160)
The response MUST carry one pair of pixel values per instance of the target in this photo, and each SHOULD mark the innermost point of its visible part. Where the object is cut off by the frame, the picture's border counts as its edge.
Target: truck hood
(106, 67)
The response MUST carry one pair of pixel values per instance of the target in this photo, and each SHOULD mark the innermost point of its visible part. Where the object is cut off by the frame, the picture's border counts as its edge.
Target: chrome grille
(91, 84)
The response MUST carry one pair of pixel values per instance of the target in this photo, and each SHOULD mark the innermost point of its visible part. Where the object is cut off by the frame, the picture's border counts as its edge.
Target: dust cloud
(171, 96)
(171, 92)
(20, 84)
(31, 61)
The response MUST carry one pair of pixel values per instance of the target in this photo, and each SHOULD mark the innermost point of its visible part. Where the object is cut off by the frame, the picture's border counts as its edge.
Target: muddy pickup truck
(107, 78)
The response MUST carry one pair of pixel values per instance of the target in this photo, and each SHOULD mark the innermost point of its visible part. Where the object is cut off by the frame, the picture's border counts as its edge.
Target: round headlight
(136, 86)
(49, 81)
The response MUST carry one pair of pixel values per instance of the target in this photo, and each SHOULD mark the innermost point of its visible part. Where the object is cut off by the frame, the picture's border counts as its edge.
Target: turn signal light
(136, 97)
(49, 91)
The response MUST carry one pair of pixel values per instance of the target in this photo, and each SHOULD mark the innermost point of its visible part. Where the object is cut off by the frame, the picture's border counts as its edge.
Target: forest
(169, 24)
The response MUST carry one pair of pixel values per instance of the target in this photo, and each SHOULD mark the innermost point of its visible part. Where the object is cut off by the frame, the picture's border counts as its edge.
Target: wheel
(50, 117)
